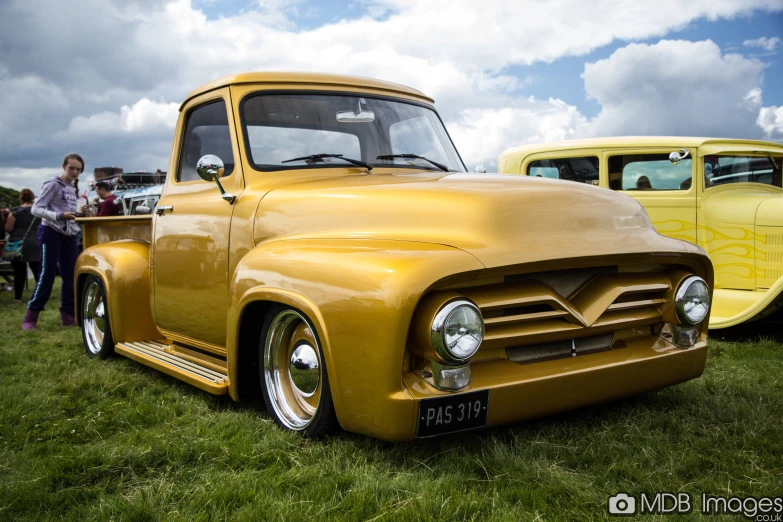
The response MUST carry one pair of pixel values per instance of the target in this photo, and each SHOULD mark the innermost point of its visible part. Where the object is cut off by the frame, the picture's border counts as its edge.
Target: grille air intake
(559, 349)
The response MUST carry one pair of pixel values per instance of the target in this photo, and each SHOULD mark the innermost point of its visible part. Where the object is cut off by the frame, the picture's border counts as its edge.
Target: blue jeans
(57, 251)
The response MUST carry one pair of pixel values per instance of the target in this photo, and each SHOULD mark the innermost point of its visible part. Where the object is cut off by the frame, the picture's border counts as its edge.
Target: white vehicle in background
(139, 200)
(137, 192)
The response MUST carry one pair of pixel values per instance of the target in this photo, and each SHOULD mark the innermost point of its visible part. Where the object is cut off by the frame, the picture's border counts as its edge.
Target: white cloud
(19, 178)
(481, 134)
(675, 87)
(111, 91)
(143, 117)
(493, 34)
(768, 44)
(771, 120)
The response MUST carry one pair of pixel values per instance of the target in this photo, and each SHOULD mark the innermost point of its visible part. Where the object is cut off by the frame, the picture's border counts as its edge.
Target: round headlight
(692, 301)
(457, 331)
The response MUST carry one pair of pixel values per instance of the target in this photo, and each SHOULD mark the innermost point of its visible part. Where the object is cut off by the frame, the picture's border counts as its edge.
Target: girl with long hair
(56, 206)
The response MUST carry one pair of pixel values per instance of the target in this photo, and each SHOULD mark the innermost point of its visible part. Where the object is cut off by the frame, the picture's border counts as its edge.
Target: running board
(162, 357)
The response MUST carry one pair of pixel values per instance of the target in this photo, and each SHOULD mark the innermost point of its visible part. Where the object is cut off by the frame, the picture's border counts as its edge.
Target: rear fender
(124, 268)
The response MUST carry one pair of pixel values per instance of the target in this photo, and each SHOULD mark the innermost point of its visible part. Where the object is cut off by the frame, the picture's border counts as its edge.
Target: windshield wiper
(413, 156)
(322, 156)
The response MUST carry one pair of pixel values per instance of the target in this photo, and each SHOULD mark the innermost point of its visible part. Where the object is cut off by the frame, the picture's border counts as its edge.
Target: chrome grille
(526, 309)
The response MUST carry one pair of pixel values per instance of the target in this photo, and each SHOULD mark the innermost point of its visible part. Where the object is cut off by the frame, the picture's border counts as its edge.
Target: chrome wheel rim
(293, 374)
(94, 317)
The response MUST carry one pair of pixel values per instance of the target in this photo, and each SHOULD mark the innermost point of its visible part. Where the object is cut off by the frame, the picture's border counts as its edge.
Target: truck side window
(206, 133)
(649, 172)
(583, 170)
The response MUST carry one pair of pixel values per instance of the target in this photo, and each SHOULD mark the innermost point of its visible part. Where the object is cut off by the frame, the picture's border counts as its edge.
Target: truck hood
(500, 219)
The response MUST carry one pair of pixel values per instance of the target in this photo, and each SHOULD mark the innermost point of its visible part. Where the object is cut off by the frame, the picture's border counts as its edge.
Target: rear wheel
(294, 380)
(96, 330)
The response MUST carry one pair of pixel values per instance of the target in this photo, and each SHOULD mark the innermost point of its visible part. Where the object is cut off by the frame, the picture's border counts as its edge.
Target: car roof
(307, 78)
(633, 141)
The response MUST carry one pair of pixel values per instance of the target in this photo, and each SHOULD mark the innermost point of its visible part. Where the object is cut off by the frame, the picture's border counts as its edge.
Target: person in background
(4, 213)
(109, 206)
(56, 206)
(643, 183)
(21, 225)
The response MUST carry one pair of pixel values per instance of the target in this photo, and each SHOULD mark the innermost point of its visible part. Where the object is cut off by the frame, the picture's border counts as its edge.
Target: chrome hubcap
(292, 369)
(94, 312)
(303, 370)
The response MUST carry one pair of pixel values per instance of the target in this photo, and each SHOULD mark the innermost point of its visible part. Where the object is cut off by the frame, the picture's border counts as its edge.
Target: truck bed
(97, 230)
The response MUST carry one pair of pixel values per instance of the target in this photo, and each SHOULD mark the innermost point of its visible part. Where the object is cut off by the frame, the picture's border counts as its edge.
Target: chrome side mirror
(210, 168)
(480, 169)
(143, 210)
(676, 157)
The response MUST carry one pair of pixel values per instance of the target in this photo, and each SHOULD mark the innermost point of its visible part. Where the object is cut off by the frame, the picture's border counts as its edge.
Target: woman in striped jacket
(56, 206)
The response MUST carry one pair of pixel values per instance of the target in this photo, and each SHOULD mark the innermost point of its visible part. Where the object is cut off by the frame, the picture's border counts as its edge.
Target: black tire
(296, 390)
(96, 327)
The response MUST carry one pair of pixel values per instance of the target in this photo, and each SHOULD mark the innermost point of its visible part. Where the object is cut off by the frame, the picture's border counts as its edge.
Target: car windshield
(320, 128)
(720, 170)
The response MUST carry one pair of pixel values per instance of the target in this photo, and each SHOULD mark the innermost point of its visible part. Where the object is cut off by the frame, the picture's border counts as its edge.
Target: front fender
(732, 307)
(124, 268)
(360, 296)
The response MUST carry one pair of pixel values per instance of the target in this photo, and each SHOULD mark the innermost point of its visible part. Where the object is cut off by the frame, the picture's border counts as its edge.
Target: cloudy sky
(105, 77)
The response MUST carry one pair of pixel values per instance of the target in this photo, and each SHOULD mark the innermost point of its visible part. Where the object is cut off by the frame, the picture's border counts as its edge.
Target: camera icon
(622, 504)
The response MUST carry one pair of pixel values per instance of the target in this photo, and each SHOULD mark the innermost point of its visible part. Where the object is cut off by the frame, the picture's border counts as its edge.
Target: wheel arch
(360, 296)
(123, 268)
(243, 361)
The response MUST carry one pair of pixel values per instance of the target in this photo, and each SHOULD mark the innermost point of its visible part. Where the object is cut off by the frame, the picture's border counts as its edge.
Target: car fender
(124, 268)
(360, 296)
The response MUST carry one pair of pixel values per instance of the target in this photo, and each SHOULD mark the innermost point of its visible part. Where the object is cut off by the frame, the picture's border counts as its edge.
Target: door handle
(159, 210)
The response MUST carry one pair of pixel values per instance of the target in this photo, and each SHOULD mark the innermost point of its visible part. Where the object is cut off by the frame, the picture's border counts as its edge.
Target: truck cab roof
(287, 78)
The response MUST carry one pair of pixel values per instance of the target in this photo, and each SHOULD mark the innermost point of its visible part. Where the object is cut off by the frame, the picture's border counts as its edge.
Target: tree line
(9, 197)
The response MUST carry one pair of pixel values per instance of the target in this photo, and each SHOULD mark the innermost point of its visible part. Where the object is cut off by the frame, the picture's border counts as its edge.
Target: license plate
(452, 413)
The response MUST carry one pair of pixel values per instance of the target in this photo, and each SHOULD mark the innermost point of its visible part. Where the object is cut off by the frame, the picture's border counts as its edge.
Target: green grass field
(84, 439)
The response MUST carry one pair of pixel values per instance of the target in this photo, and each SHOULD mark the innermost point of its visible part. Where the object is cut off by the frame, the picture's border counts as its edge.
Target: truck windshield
(318, 128)
(720, 170)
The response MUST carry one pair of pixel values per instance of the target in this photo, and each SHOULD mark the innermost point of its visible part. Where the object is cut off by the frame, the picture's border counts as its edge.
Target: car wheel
(294, 379)
(96, 329)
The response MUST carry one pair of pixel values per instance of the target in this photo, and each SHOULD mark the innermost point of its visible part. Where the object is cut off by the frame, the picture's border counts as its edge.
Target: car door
(190, 265)
(665, 189)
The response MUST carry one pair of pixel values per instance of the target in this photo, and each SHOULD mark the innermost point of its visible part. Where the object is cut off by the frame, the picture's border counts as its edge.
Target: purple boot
(30, 321)
(67, 319)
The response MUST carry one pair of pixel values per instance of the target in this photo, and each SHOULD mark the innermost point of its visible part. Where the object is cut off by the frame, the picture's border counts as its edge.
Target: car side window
(649, 172)
(720, 170)
(582, 169)
(206, 132)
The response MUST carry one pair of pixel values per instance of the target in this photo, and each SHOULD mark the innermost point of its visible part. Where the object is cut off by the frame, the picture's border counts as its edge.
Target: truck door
(189, 255)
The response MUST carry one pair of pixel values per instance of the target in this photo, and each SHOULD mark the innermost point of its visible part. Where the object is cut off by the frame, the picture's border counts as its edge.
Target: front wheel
(96, 330)
(294, 380)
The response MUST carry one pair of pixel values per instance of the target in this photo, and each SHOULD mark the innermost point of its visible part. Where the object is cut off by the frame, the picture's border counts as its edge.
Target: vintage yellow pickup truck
(724, 195)
(319, 243)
